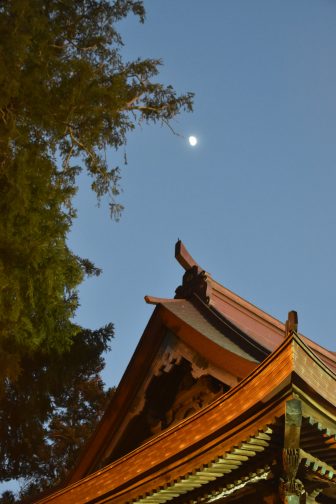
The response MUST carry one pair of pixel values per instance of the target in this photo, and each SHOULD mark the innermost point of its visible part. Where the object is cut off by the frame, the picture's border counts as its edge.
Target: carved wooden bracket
(291, 488)
(195, 281)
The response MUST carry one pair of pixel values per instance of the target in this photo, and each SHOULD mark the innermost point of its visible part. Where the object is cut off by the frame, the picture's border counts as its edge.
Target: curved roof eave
(213, 431)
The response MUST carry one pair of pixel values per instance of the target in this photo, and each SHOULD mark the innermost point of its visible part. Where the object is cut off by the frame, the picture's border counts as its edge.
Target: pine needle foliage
(49, 412)
(67, 96)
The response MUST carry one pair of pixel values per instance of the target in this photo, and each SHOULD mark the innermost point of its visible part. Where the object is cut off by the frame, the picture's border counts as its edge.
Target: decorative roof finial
(195, 279)
(291, 323)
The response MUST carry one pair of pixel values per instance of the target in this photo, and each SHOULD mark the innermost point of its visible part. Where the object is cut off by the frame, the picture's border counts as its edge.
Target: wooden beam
(293, 422)
(183, 257)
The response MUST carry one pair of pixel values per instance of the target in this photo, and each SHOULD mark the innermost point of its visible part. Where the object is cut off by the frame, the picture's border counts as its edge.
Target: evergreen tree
(49, 412)
(66, 94)
(67, 97)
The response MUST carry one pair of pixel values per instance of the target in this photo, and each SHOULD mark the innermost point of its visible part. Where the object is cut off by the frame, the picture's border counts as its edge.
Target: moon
(192, 140)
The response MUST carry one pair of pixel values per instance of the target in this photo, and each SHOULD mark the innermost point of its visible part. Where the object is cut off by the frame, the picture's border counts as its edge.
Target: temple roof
(264, 329)
(207, 332)
(222, 437)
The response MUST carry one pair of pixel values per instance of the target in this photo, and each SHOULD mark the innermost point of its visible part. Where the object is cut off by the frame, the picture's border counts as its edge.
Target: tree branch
(79, 143)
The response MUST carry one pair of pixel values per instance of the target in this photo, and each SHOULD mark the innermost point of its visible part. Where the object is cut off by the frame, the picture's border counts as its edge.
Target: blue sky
(254, 202)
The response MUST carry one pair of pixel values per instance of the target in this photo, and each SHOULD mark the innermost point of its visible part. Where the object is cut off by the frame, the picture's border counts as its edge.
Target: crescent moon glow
(192, 140)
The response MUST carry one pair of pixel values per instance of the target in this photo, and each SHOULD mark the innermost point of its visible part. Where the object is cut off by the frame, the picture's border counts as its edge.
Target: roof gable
(219, 437)
(177, 336)
(202, 343)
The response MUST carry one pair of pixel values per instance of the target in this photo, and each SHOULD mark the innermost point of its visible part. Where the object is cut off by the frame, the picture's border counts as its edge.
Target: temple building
(220, 403)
